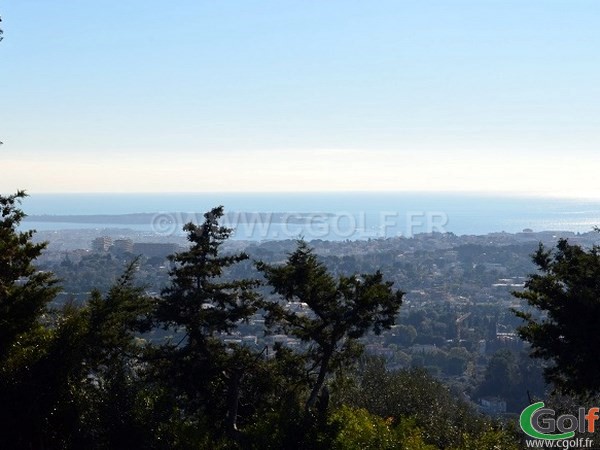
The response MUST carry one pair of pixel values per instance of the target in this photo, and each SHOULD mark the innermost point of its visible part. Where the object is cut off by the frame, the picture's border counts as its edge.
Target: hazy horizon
(507, 195)
(365, 214)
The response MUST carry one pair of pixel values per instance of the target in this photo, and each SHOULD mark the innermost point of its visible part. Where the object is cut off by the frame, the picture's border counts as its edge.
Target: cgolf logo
(540, 423)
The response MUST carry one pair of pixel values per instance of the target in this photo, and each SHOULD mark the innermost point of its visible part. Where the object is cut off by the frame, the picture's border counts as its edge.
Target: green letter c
(527, 426)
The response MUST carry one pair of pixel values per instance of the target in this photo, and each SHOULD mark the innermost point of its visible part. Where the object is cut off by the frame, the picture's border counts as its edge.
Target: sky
(492, 96)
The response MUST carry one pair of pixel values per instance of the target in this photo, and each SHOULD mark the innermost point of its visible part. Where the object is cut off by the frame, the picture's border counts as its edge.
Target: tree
(358, 429)
(403, 335)
(340, 310)
(201, 305)
(199, 300)
(502, 377)
(563, 328)
(444, 420)
(109, 379)
(77, 384)
(24, 291)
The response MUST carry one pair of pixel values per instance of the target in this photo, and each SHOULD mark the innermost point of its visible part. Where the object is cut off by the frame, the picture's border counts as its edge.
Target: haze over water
(365, 213)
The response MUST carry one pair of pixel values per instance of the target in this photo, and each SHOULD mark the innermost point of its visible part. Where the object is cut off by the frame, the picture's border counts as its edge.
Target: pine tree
(201, 305)
(340, 311)
(24, 291)
(563, 326)
(199, 300)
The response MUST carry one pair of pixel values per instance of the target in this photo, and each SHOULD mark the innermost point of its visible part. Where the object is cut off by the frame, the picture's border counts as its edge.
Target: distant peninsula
(180, 217)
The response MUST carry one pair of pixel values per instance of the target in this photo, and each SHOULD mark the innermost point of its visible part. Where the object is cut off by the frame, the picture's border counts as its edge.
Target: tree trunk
(233, 401)
(314, 394)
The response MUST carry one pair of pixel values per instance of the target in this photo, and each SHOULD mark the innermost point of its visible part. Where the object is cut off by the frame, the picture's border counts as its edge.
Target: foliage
(24, 291)
(360, 430)
(340, 311)
(566, 291)
(200, 306)
(490, 439)
(83, 376)
(24, 295)
(444, 420)
(80, 387)
(513, 377)
(198, 300)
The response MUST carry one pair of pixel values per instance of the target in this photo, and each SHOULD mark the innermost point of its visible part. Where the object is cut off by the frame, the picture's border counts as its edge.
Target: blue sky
(147, 96)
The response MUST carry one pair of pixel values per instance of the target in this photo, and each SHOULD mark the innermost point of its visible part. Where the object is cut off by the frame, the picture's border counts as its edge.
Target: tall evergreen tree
(25, 293)
(563, 326)
(340, 311)
(24, 290)
(202, 306)
(199, 300)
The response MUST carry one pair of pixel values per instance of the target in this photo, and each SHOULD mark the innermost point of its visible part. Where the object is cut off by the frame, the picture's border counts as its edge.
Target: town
(456, 319)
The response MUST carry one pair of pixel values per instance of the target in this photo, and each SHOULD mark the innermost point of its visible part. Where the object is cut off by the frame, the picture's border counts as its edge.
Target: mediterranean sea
(359, 215)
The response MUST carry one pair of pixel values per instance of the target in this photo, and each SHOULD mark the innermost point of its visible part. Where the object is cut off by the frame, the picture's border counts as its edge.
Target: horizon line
(465, 193)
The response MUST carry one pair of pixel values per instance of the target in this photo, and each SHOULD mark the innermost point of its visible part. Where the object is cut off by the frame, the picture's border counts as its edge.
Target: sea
(327, 216)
